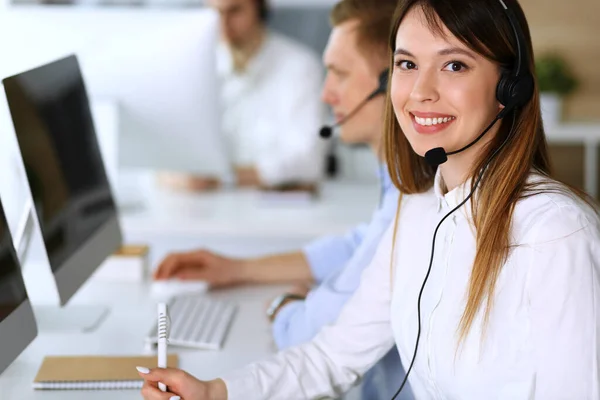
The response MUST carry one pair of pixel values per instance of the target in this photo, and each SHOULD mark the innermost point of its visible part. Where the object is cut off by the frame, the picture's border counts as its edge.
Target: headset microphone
(438, 155)
(327, 131)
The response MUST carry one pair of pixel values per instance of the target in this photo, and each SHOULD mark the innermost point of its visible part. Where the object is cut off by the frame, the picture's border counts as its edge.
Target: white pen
(163, 326)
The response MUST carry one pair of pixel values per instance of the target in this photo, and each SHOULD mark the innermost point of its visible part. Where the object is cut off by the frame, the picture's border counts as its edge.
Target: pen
(163, 325)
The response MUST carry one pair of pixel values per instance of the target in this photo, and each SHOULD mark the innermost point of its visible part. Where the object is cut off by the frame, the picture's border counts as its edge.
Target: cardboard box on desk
(128, 264)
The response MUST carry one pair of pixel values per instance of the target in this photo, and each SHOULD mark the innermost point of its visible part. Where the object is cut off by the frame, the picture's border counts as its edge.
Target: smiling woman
(507, 304)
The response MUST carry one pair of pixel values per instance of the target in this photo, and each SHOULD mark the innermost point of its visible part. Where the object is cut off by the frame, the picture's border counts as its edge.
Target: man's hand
(247, 177)
(180, 385)
(179, 181)
(216, 270)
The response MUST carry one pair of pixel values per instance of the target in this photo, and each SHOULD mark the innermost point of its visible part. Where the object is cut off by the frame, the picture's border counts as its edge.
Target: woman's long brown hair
(483, 27)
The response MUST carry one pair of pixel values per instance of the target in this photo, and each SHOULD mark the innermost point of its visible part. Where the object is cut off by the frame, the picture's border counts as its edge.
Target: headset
(515, 88)
(263, 10)
(327, 130)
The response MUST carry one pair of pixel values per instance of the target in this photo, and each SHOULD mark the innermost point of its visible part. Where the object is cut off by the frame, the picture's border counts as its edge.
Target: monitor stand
(69, 319)
(45, 299)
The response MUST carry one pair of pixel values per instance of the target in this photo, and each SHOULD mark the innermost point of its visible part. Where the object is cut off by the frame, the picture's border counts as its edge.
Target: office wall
(571, 28)
(566, 27)
(307, 24)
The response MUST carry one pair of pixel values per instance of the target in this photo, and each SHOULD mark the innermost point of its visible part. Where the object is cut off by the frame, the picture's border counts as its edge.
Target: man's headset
(327, 131)
(513, 91)
(263, 10)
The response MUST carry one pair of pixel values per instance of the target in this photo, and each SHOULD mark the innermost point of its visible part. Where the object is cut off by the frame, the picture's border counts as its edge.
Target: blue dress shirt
(337, 263)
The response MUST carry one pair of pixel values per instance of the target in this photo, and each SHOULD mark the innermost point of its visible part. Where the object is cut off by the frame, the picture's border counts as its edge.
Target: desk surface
(245, 224)
(123, 331)
(246, 213)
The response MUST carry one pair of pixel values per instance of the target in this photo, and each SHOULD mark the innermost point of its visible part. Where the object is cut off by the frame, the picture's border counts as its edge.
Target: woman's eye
(405, 64)
(455, 66)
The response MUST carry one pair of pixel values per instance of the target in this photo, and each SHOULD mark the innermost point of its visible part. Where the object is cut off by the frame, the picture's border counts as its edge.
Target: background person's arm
(278, 268)
(221, 271)
(299, 321)
(317, 260)
(329, 254)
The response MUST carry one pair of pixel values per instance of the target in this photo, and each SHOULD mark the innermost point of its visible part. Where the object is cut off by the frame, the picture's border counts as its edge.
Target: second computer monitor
(162, 72)
(71, 193)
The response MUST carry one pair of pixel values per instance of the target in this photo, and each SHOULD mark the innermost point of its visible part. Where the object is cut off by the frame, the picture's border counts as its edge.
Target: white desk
(123, 331)
(240, 224)
(243, 213)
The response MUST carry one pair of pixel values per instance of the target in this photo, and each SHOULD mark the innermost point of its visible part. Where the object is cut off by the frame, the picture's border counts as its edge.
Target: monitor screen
(12, 286)
(63, 163)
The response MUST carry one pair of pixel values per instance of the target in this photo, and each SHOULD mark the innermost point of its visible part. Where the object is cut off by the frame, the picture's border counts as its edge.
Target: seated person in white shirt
(487, 280)
(270, 101)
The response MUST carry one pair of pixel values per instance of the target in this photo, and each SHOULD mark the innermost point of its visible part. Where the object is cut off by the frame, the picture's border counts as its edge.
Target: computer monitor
(17, 322)
(14, 189)
(71, 194)
(161, 71)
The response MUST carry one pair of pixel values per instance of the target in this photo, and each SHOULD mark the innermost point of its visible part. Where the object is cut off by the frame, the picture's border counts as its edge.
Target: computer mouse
(165, 289)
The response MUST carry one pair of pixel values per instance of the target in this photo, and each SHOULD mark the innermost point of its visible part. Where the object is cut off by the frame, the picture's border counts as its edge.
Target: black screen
(52, 119)
(12, 286)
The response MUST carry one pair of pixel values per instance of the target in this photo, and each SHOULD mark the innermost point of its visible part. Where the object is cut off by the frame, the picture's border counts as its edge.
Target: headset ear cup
(522, 90)
(383, 84)
(514, 92)
(263, 10)
(383, 81)
(503, 90)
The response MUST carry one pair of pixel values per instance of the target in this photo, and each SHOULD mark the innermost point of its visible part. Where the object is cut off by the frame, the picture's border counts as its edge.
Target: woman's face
(442, 92)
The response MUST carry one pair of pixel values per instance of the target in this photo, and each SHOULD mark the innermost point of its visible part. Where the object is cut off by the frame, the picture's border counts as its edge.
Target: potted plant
(555, 81)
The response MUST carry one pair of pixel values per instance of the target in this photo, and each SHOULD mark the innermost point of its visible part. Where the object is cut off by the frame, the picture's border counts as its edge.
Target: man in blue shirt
(357, 52)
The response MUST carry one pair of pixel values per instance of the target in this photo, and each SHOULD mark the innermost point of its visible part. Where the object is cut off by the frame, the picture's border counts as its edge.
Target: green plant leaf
(554, 75)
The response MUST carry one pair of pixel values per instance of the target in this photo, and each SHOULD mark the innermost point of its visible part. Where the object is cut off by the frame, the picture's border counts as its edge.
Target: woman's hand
(180, 385)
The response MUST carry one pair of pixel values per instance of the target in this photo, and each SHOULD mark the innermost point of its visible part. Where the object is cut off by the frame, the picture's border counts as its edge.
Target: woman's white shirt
(542, 337)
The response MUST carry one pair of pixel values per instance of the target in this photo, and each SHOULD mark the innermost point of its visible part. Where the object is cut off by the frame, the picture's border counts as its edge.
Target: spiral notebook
(94, 372)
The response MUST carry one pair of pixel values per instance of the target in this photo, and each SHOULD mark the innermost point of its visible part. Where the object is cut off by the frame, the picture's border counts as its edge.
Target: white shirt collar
(454, 197)
(255, 64)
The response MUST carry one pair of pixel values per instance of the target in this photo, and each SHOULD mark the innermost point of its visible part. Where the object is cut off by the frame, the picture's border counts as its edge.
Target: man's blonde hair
(374, 19)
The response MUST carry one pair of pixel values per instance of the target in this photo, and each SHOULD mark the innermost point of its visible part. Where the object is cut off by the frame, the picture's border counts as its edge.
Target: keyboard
(196, 322)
